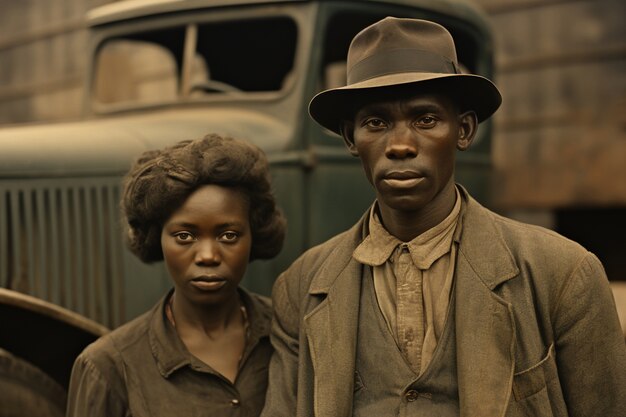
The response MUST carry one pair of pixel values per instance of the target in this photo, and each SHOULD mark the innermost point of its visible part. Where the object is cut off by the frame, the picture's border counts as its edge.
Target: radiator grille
(60, 240)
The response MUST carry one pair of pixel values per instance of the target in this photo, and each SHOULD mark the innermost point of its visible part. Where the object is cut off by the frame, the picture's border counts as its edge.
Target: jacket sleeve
(590, 348)
(283, 371)
(93, 394)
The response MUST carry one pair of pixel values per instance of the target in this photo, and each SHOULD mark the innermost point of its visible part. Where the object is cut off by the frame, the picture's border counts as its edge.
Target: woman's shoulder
(261, 305)
(109, 349)
(98, 381)
(262, 301)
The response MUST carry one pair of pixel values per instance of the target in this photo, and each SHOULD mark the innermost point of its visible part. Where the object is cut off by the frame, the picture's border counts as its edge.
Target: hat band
(400, 60)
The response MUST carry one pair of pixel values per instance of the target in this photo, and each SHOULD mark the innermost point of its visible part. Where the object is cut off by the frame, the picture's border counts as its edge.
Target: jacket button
(411, 395)
(235, 402)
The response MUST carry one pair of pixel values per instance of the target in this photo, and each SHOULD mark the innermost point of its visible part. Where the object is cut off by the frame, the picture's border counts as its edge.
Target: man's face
(407, 148)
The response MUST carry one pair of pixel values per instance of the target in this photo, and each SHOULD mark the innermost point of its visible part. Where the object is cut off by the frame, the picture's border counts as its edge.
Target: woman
(205, 207)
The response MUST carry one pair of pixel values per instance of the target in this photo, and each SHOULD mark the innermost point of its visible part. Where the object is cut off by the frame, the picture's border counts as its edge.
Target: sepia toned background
(557, 157)
(559, 145)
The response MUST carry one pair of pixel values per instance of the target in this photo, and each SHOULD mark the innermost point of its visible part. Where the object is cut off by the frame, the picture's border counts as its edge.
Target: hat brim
(474, 92)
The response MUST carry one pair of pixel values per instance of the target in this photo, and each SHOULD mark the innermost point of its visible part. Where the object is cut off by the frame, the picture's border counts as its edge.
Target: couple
(431, 305)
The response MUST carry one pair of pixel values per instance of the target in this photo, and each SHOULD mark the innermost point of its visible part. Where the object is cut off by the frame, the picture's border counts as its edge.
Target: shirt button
(235, 402)
(411, 395)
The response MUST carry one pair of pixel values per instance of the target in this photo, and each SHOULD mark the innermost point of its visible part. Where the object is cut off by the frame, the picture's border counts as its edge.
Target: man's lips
(402, 179)
(208, 283)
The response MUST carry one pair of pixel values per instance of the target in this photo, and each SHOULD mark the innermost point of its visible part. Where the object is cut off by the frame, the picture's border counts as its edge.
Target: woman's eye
(184, 237)
(229, 236)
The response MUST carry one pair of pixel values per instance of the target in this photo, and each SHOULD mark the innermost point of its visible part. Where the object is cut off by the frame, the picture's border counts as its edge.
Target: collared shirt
(433, 256)
(143, 369)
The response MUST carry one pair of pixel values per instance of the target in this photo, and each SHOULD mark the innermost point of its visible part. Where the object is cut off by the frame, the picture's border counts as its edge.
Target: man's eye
(427, 121)
(229, 236)
(184, 237)
(374, 123)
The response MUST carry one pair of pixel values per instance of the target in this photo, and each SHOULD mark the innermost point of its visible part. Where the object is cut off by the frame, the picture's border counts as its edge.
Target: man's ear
(468, 125)
(347, 132)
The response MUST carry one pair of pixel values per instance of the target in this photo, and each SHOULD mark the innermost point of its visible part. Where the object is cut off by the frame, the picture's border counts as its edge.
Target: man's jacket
(536, 326)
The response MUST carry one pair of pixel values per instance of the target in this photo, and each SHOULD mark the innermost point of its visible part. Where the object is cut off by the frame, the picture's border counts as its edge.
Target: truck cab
(160, 71)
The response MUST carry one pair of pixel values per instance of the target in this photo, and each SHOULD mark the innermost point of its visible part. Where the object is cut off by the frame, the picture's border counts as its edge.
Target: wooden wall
(42, 65)
(560, 137)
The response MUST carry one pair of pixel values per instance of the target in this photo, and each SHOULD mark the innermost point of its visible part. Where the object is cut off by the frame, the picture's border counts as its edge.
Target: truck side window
(340, 30)
(231, 56)
(139, 68)
(136, 72)
(334, 75)
(247, 55)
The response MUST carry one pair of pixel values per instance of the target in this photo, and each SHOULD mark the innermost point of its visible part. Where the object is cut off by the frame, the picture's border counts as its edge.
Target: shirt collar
(379, 245)
(171, 354)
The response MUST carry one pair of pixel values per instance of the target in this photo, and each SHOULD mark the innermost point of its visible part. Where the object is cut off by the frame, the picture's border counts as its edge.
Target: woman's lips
(208, 283)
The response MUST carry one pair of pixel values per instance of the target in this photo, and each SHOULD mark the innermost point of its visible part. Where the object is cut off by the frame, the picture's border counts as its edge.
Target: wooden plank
(495, 7)
(543, 36)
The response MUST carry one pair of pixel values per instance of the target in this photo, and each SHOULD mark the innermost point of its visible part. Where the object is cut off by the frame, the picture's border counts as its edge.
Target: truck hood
(107, 147)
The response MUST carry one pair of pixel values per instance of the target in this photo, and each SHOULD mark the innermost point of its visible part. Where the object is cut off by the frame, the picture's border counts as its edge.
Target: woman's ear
(347, 132)
(468, 125)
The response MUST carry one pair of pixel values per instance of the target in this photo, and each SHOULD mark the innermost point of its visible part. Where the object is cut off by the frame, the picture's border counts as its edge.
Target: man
(432, 305)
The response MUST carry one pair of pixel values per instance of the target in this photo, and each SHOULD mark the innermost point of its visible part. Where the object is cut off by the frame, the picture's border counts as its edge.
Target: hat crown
(394, 45)
(402, 54)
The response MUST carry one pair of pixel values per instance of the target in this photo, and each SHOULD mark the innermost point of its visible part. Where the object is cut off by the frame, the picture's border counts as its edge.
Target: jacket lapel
(485, 327)
(334, 323)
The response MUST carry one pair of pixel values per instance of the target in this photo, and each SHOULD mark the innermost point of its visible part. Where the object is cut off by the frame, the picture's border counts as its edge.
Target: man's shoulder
(496, 246)
(337, 248)
(329, 246)
(515, 232)
(526, 244)
(329, 256)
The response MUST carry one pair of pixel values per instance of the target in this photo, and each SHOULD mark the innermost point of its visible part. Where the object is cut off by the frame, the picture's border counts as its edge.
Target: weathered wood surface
(42, 59)
(560, 136)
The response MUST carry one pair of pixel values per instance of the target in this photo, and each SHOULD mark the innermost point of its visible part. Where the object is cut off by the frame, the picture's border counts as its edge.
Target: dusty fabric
(412, 282)
(537, 332)
(143, 369)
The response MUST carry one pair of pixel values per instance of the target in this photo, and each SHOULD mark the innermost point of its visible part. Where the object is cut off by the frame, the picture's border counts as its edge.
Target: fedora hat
(397, 53)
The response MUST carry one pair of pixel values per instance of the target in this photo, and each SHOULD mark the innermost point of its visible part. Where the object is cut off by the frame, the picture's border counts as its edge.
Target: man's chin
(406, 203)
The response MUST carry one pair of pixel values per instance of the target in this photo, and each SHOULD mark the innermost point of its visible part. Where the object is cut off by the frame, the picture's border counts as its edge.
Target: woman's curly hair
(161, 180)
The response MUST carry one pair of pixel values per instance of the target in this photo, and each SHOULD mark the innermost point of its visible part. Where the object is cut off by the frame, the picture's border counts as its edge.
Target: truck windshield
(197, 60)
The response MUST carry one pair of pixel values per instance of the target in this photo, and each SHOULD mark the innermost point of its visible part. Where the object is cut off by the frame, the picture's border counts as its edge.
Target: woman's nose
(208, 253)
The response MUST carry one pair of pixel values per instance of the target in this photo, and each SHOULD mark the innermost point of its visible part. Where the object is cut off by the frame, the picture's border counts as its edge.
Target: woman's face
(206, 244)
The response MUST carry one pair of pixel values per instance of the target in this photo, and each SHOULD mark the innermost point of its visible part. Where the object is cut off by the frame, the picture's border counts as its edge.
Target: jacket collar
(341, 258)
(483, 246)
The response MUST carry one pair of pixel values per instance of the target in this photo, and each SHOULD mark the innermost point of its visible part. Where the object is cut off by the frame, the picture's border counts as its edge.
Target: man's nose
(207, 253)
(401, 144)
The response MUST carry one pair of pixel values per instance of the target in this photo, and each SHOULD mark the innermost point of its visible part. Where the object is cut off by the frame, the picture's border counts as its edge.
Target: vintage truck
(160, 71)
